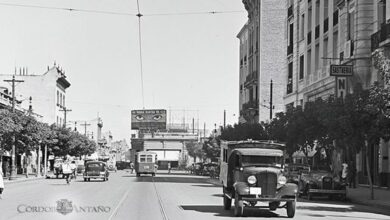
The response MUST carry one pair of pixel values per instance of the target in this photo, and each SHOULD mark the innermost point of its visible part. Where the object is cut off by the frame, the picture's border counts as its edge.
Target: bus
(146, 163)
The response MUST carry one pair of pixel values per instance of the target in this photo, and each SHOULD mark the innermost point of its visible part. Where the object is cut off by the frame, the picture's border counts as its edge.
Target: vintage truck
(252, 172)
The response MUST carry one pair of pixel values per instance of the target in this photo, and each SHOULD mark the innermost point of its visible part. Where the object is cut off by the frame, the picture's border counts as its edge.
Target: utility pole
(224, 119)
(204, 130)
(85, 127)
(13, 164)
(270, 101)
(65, 110)
(193, 125)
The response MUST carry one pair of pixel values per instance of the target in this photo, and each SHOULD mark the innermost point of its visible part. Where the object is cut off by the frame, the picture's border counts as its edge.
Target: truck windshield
(262, 160)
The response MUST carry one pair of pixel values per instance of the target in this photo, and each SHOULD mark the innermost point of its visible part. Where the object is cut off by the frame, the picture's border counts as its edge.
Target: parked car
(294, 170)
(80, 168)
(321, 182)
(198, 168)
(121, 165)
(96, 170)
(252, 172)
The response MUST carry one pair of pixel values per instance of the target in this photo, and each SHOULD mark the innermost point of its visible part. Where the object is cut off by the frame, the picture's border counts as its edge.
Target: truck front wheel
(227, 202)
(238, 206)
(290, 209)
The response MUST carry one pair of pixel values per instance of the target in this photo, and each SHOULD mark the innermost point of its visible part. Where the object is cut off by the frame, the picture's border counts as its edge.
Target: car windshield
(262, 160)
(94, 167)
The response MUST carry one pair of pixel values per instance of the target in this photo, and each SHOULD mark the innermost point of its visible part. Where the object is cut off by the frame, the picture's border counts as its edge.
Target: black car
(121, 165)
(96, 170)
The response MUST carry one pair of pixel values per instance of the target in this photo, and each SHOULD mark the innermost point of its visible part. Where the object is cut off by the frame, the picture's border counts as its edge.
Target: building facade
(322, 33)
(338, 32)
(262, 52)
(47, 92)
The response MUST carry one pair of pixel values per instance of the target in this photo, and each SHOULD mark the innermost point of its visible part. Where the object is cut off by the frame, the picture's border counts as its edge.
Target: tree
(211, 149)
(244, 132)
(194, 149)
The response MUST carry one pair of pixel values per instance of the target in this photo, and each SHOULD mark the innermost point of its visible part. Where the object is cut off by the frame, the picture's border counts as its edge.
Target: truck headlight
(282, 180)
(252, 180)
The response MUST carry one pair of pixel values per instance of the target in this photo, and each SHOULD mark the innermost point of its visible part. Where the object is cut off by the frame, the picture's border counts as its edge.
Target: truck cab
(252, 172)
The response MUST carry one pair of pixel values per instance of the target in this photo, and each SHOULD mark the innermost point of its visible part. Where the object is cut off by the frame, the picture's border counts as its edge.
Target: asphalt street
(165, 197)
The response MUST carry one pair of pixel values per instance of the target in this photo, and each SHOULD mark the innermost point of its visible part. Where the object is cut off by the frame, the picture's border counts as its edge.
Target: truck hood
(255, 170)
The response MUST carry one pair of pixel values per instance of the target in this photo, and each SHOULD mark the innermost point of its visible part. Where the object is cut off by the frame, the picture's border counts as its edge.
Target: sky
(190, 62)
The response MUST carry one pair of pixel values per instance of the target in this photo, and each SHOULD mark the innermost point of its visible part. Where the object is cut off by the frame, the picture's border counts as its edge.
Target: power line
(139, 15)
(114, 12)
(65, 9)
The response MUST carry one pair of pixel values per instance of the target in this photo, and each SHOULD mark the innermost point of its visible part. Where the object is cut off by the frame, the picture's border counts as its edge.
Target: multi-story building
(321, 33)
(346, 32)
(47, 92)
(380, 40)
(262, 51)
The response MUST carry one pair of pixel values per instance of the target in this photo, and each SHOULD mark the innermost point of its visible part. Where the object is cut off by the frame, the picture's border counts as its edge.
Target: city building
(322, 33)
(337, 32)
(262, 52)
(380, 41)
(47, 92)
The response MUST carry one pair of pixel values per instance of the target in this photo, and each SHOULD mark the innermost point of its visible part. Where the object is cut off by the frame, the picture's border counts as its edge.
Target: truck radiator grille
(267, 181)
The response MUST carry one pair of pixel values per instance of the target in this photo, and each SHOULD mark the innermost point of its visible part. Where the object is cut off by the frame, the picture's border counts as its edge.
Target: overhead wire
(139, 15)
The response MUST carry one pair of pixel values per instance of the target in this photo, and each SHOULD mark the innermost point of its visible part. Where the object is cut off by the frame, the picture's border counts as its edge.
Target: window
(308, 63)
(317, 57)
(149, 158)
(290, 78)
(301, 66)
(142, 158)
(58, 98)
(302, 28)
(325, 52)
(335, 45)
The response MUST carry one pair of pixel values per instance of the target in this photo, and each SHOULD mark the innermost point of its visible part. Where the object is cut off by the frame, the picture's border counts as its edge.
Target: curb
(23, 180)
(367, 203)
(214, 182)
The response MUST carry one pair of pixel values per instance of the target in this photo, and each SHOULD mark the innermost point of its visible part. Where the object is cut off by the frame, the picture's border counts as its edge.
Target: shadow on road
(337, 206)
(219, 211)
(208, 185)
(171, 179)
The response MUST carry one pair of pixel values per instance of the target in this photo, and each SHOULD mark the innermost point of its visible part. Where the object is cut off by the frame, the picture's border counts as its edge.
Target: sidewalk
(361, 195)
(22, 178)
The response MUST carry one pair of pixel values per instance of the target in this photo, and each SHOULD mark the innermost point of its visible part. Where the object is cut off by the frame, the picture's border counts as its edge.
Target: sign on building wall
(149, 119)
(341, 86)
(341, 70)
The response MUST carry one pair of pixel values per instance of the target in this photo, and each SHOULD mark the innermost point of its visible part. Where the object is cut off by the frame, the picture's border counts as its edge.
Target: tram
(146, 163)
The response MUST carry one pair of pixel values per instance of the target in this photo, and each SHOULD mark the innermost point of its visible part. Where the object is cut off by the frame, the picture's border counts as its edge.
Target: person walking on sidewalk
(1, 183)
(352, 175)
(169, 167)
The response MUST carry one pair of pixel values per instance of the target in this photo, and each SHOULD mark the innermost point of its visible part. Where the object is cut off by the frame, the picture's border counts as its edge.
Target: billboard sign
(341, 70)
(149, 119)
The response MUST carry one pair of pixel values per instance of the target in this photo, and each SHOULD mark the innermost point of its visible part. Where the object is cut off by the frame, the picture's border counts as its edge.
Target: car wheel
(56, 176)
(227, 202)
(238, 206)
(273, 205)
(89, 179)
(290, 209)
(138, 174)
(85, 179)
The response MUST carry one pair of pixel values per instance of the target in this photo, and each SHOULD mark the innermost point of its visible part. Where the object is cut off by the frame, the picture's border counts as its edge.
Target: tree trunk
(369, 172)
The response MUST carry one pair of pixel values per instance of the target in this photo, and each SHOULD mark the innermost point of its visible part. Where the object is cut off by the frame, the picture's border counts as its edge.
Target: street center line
(165, 217)
(119, 204)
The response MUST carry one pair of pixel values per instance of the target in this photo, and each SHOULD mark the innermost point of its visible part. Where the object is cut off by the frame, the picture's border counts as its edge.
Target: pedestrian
(169, 167)
(74, 169)
(66, 171)
(1, 182)
(352, 176)
(344, 172)
(131, 166)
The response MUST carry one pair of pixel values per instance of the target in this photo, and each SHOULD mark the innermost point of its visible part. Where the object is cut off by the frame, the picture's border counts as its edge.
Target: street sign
(341, 86)
(341, 70)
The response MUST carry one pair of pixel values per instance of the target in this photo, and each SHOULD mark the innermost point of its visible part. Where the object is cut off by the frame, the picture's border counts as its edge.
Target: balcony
(289, 49)
(289, 88)
(290, 11)
(380, 37)
(251, 79)
(317, 32)
(309, 38)
(252, 104)
(326, 25)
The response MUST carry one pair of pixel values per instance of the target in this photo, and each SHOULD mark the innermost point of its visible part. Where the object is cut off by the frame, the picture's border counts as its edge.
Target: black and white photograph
(194, 109)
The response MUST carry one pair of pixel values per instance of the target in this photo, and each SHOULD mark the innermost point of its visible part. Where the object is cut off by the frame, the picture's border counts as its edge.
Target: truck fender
(242, 188)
